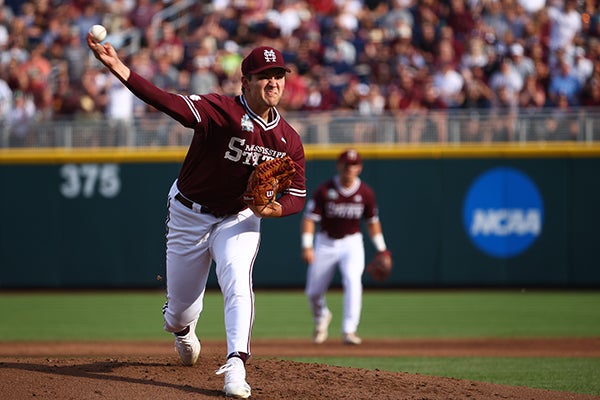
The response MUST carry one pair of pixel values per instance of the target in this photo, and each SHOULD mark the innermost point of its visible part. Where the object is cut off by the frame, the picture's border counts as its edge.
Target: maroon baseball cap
(350, 156)
(263, 58)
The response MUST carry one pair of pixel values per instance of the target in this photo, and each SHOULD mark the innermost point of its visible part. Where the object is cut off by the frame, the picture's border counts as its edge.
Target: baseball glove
(380, 267)
(268, 179)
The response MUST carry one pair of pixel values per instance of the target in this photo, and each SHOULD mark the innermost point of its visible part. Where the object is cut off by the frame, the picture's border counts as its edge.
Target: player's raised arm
(107, 55)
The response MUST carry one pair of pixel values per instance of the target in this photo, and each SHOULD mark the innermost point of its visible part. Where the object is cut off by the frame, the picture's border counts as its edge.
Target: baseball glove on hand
(268, 179)
(380, 267)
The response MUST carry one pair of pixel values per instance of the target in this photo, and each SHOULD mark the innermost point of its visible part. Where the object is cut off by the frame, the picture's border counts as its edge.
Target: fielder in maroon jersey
(207, 219)
(339, 205)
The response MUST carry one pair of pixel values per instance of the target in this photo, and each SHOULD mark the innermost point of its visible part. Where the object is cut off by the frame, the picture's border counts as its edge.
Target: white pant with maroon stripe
(348, 254)
(194, 240)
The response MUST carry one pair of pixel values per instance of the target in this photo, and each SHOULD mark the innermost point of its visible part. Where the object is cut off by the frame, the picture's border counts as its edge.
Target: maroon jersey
(339, 209)
(229, 141)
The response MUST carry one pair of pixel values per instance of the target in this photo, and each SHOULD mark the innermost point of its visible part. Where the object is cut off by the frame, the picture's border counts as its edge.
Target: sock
(183, 332)
(240, 355)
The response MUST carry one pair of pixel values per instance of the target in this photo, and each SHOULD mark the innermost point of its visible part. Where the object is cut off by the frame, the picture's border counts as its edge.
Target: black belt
(203, 210)
(339, 236)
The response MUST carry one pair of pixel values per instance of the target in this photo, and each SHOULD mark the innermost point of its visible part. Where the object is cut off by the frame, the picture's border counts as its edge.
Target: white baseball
(98, 32)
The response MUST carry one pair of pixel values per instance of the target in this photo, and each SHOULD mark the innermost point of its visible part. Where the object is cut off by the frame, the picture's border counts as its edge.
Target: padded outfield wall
(499, 216)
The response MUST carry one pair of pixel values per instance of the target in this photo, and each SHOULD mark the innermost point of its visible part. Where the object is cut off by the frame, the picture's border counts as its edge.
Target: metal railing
(178, 14)
(452, 127)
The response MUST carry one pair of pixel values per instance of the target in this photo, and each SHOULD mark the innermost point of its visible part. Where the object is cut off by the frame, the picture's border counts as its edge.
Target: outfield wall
(510, 215)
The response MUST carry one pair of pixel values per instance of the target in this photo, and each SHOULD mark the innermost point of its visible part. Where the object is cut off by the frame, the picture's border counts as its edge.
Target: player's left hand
(380, 267)
(271, 210)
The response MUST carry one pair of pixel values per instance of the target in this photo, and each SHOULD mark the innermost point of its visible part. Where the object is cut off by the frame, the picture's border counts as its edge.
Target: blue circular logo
(503, 212)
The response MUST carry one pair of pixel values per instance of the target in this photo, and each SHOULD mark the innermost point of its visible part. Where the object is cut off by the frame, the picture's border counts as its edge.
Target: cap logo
(270, 56)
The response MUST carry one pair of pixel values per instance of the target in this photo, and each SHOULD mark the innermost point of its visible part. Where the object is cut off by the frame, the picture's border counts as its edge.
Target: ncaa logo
(503, 212)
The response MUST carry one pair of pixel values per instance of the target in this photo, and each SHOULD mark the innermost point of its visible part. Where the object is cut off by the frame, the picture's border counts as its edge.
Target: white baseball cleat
(188, 346)
(351, 338)
(235, 379)
(322, 328)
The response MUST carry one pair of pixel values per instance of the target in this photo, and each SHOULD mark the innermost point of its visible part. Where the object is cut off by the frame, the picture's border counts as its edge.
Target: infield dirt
(150, 370)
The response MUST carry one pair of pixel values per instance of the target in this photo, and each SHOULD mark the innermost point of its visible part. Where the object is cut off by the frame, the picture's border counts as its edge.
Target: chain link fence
(452, 126)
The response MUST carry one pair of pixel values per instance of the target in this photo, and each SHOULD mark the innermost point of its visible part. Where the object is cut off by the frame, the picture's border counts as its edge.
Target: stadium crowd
(368, 57)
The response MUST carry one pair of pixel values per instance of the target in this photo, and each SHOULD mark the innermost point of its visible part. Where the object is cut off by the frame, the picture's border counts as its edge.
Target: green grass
(407, 314)
(443, 314)
(578, 375)
(116, 315)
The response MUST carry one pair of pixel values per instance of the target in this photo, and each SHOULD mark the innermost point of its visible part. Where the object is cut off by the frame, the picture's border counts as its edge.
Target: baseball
(98, 32)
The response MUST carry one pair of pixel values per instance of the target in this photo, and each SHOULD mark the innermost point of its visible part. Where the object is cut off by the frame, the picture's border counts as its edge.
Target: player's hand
(108, 56)
(103, 52)
(271, 210)
(308, 255)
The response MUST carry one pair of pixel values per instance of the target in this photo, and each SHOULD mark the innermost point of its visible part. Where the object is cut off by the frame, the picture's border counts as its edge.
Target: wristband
(307, 240)
(379, 242)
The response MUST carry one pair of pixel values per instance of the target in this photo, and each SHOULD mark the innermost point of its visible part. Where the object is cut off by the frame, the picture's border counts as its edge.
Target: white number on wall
(89, 180)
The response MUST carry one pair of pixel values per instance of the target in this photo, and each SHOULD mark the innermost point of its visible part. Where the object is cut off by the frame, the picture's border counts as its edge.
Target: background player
(339, 205)
(207, 219)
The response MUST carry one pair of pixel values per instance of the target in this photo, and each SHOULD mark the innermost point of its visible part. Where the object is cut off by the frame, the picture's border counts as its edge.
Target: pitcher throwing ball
(209, 217)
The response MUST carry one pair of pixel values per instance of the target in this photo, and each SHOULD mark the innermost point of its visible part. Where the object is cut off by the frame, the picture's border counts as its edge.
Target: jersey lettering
(345, 210)
(250, 154)
(236, 153)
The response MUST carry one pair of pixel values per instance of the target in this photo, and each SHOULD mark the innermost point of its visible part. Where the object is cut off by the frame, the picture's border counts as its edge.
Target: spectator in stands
(522, 64)
(517, 19)
(532, 97)
(93, 85)
(74, 53)
(432, 124)
(402, 51)
(564, 83)
(374, 43)
(477, 95)
(229, 58)
(296, 90)
(494, 18)
(4, 35)
(169, 45)
(532, 100)
(320, 96)
(505, 111)
(448, 83)
(426, 41)
(563, 123)
(508, 79)
(532, 6)
(565, 24)
(143, 12)
(91, 15)
(591, 92)
(202, 78)
(19, 120)
(460, 19)
(400, 12)
(476, 54)
(350, 95)
(38, 70)
(583, 67)
(372, 101)
(120, 113)
(143, 63)
(166, 75)
(340, 53)
(6, 97)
